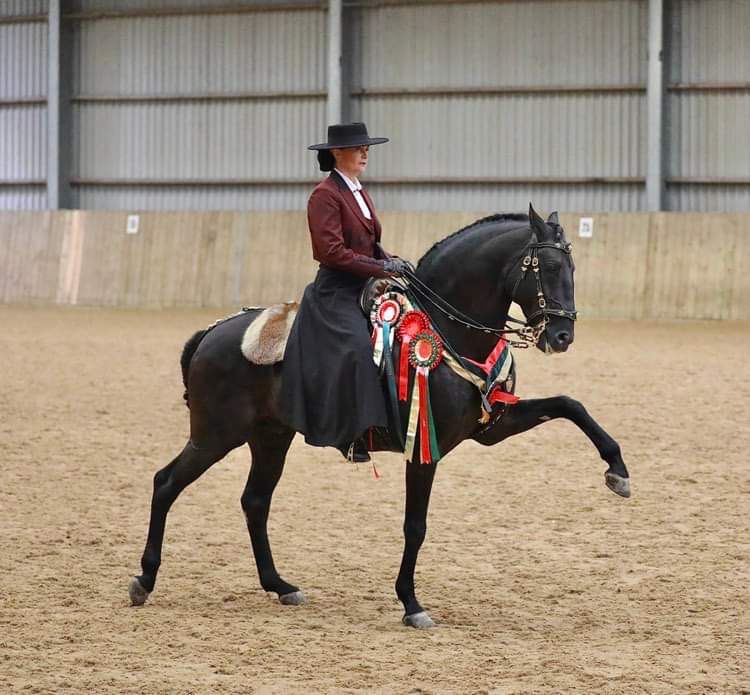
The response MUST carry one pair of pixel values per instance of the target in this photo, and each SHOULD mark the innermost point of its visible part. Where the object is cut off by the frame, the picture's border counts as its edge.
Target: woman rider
(331, 390)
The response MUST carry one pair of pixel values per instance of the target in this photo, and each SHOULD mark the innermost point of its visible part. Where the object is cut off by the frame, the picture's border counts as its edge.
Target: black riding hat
(347, 135)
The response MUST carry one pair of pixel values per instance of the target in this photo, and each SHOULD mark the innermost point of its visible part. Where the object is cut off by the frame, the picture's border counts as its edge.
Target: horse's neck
(473, 278)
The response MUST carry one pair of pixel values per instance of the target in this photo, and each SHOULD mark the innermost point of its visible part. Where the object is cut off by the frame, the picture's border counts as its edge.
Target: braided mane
(497, 217)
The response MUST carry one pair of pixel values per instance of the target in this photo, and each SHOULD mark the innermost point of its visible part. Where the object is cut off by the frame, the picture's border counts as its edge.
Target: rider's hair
(326, 160)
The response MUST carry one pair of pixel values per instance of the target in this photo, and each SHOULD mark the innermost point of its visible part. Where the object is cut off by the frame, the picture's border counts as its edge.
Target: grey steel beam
(418, 180)
(54, 20)
(24, 19)
(59, 68)
(23, 101)
(510, 90)
(195, 11)
(655, 98)
(207, 96)
(709, 87)
(335, 83)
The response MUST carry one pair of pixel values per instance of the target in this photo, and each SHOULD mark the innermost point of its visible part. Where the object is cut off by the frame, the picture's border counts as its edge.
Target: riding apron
(331, 390)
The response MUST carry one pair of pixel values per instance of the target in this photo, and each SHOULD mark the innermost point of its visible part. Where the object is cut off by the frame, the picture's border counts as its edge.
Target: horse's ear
(537, 223)
(553, 219)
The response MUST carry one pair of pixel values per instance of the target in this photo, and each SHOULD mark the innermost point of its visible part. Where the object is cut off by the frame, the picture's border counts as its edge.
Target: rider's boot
(356, 451)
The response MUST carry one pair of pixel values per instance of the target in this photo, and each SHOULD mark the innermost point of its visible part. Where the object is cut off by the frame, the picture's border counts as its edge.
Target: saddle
(265, 339)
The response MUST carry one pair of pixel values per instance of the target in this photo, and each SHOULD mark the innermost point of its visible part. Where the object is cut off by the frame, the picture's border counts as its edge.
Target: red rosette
(389, 312)
(412, 323)
(387, 308)
(425, 350)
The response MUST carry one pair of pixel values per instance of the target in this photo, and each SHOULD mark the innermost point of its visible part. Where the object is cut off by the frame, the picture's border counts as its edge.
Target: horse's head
(544, 284)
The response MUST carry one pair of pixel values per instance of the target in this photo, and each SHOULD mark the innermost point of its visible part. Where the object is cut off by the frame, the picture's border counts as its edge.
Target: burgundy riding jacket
(342, 237)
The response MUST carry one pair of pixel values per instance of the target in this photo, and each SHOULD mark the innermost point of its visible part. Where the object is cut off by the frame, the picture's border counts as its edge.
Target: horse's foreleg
(269, 448)
(419, 479)
(169, 482)
(527, 414)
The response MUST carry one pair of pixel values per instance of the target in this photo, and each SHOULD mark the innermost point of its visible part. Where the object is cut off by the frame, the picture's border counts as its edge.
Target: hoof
(296, 598)
(138, 594)
(421, 620)
(618, 485)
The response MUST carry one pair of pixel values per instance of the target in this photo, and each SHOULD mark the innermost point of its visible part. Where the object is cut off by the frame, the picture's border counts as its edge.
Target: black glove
(397, 266)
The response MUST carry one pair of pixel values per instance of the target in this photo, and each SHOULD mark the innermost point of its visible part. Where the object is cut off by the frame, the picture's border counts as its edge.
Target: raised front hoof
(421, 620)
(618, 484)
(296, 598)
(138, 594)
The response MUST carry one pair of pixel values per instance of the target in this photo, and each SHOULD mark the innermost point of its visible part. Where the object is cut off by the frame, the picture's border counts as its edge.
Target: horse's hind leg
(269, 446)
(169, 482)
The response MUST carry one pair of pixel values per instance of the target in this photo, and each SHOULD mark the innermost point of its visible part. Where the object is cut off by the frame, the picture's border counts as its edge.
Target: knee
(253, 505)
(415, 531)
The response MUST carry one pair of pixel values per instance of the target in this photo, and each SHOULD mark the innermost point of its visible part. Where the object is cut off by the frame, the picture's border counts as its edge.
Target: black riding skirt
(331, 391)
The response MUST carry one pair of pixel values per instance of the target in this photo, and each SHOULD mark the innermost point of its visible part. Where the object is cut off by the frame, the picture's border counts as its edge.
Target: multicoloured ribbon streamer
(425, 354)
(387, 310)
(390, 377)
(413, 322)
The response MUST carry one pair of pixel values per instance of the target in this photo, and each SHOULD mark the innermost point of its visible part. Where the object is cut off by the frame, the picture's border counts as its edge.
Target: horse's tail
(187, 354)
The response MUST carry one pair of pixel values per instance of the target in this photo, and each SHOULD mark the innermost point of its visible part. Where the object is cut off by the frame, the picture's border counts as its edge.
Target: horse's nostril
(563, 337)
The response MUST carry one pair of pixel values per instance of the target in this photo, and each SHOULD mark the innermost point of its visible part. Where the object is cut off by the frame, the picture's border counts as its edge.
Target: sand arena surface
(541, 580)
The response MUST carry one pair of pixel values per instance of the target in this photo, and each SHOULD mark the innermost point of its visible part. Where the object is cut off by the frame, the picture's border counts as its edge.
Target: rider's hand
(397, 266)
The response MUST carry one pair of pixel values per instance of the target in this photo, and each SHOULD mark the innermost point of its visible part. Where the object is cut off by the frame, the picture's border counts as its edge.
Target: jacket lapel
(352, 202)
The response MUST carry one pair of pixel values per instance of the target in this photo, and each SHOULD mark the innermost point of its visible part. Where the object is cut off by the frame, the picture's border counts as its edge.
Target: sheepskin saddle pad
(265, 339)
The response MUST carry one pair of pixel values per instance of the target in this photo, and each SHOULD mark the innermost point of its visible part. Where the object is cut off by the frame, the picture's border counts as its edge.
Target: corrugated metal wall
(22, 8)
(23, 89)
(568, 102)
(193, 104)
(709, 106)
(219, 98)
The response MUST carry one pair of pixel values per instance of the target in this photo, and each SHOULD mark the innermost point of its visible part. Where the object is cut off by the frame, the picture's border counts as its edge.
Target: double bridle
(531, 260)
(528, 332)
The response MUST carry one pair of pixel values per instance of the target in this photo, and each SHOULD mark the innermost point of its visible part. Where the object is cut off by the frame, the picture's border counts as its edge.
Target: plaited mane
(497, 217)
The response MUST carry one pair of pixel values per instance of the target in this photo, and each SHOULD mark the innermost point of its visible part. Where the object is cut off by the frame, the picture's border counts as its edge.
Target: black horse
(479, 270)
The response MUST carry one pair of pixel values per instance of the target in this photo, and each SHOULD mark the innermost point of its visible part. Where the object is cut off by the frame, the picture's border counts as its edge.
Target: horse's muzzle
(555, 340)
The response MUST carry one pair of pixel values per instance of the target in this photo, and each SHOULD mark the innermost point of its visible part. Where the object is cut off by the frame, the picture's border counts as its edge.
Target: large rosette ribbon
(425, 350)
(385, 315)
(412, 323)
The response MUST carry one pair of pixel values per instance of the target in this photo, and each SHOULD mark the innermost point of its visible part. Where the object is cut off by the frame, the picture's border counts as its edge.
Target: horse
(469, 280)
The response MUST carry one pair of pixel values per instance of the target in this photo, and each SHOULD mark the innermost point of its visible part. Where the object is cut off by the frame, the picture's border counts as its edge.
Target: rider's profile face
(352, 160)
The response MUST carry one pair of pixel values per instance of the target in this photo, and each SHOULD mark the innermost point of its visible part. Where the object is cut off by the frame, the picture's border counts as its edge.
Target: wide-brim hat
(345, 135)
